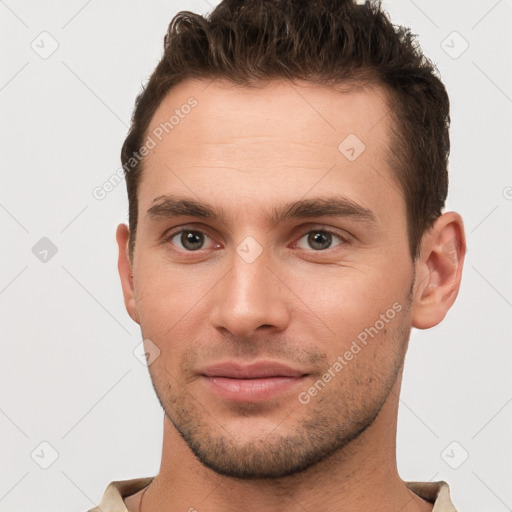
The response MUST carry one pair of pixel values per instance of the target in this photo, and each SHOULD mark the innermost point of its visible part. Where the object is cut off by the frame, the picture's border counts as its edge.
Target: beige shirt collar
(112, 501)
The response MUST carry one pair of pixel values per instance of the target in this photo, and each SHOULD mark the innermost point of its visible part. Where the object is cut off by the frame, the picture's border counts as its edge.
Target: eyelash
(343, 239)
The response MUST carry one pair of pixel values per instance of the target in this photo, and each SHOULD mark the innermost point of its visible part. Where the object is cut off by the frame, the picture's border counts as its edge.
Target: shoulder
(437, 493)
(116, 491)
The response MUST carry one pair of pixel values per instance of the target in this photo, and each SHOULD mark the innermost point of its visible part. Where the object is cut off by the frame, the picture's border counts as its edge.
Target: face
(272, 271)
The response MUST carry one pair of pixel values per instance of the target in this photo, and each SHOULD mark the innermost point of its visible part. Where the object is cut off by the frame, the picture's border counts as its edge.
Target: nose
(251, 297)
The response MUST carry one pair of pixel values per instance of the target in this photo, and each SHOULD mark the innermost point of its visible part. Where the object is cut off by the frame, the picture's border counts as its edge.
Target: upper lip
(256, 370)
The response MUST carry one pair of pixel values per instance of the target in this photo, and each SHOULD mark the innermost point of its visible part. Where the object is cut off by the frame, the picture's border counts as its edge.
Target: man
(286, 174)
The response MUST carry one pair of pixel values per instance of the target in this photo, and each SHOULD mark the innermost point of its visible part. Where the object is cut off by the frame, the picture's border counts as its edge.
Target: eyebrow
(336, 206)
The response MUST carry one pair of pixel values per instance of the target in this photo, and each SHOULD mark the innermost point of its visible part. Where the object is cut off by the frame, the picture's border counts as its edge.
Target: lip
(256, 370)
(255, 382)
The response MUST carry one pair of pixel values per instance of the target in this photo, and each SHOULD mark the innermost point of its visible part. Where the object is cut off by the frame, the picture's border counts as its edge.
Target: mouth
(256, 382)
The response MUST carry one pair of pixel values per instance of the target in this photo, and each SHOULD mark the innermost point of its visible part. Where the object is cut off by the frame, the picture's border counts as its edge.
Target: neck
(361, 476)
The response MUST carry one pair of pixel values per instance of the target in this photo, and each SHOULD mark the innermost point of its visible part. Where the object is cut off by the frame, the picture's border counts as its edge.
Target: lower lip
(251, 390)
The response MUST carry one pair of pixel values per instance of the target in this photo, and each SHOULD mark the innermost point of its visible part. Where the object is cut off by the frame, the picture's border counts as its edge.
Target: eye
(188, 240)
(320, 239)
(191, 240)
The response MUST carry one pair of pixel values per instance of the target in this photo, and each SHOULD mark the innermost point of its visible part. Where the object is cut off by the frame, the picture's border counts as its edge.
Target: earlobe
(125, 271)
(438, 271)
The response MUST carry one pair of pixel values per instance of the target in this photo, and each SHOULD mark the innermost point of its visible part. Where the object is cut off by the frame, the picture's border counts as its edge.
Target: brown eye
(192, 240)
(319, 239)
(188, 240)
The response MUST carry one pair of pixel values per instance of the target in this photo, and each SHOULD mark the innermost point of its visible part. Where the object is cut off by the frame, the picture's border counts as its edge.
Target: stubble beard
(329, 422)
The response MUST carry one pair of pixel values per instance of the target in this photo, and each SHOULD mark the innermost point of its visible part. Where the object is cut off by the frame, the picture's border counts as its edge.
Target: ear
(125, 271)
(438, 270)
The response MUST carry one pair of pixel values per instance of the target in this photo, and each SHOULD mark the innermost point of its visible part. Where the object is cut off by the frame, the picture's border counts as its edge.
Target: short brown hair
(326, 42)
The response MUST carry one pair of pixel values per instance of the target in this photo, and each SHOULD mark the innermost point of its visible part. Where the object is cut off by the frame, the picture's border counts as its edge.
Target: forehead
(277, 109)
(213, 138)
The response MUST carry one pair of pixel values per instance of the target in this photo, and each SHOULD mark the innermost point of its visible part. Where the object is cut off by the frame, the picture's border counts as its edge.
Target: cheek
(363, 325)
(169, 300)
(336, 303)
(349, 300)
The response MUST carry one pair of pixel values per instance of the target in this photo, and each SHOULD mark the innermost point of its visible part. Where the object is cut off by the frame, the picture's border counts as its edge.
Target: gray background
(69, 377)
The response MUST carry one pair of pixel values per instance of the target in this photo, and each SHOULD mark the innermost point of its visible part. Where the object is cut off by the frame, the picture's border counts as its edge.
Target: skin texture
(302, 301)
